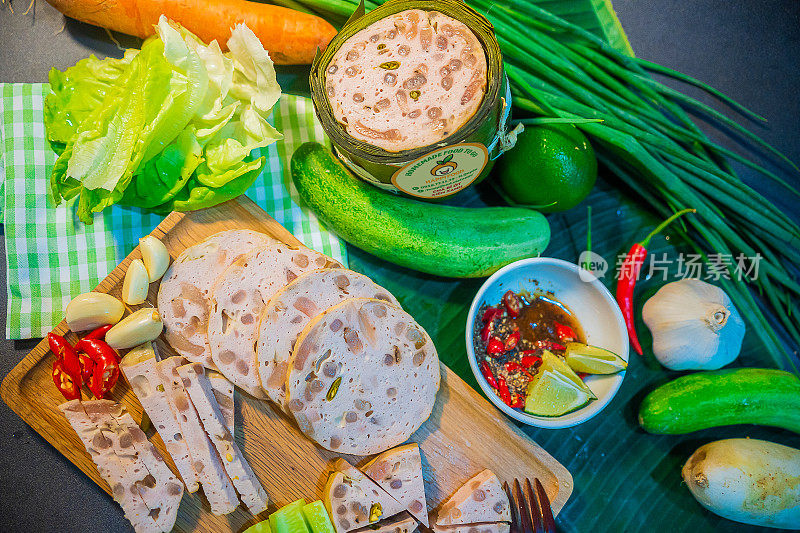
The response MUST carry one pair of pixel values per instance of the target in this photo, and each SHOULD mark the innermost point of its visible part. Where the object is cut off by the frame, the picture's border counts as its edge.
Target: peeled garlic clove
(137, 328)
(694, 325)
(134, 288)
(91, 310)
(139, 354)
(155, 257)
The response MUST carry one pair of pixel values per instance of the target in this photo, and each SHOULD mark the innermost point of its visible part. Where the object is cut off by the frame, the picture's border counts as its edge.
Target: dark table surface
(748, 49)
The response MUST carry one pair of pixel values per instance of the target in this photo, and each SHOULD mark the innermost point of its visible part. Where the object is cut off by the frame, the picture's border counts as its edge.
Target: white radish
(747, 480)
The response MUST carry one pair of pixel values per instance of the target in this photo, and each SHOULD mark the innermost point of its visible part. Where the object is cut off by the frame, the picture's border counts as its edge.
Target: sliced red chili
(491, 313)
(512, 366)
(513, 303)
(488, 375)
(99, 333)
(529, 361)
(564, 332)
(582, 375)
(64, 382)
(87, 367)
(106, 366)
(511, 341)
(502, 390)
(518, 402)
(486, 331)
(495, 346)
(64, 352)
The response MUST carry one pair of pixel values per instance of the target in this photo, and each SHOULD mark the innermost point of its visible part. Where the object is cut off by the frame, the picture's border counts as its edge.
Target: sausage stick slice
(139, 368)
(162, 491)
(159, 488)
(480, 500)
(223, 392)
(237, 467)
(121, 474)
(217, 487)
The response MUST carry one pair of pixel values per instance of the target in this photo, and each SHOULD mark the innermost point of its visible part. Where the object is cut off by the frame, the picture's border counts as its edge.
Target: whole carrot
(629, 273)
(290, 37)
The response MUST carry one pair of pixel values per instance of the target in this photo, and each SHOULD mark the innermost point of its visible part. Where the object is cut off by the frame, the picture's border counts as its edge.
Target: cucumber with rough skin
(762, 396)
(448, 241)
(289, 519)
(317, 518)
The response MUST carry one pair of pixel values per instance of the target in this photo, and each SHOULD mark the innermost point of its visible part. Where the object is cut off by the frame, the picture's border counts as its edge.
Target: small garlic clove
(91, 310)
(137, 354)
(155, 257)
(137, 328)
(134, 288)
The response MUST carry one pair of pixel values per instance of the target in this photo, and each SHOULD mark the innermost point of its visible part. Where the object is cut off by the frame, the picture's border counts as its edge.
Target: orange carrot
(290, 37)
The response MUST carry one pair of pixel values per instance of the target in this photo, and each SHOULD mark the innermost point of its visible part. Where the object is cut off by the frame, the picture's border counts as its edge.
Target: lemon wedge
(550, 394)
(593, 360)
(556, 365)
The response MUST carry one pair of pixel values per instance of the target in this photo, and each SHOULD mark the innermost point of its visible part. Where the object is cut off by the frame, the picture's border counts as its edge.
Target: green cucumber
(763, 396)
(289, 519)
(317, 518)
(445, 240)
(261, 527)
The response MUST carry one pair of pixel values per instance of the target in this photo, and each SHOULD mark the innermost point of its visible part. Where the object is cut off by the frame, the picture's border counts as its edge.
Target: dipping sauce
(408, 80)
(511, 337)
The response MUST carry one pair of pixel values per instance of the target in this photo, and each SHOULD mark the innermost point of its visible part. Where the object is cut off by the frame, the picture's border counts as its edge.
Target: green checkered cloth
(52, 257)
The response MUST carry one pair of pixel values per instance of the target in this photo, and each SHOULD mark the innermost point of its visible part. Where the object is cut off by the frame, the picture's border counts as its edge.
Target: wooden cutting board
(464, 434)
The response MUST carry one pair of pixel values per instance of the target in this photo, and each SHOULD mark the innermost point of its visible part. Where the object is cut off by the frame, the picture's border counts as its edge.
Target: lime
(593, 360)
(549, 394)
(553, 363)
(552, 166)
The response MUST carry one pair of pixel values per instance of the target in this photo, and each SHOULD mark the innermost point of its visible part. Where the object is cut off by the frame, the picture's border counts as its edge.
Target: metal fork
(531, 513)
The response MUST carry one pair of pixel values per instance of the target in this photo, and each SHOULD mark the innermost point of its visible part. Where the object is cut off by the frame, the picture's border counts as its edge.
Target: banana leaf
(624, 479)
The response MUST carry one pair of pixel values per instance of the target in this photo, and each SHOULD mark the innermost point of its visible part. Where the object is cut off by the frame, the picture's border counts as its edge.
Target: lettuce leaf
(76, 92)
(176, 115)
(198, 196)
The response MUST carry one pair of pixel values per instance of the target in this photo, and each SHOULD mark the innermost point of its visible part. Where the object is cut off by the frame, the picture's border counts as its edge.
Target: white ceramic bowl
(594, 308)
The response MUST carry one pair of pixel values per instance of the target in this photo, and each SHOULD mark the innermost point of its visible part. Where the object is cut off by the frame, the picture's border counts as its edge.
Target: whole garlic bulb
(694, 325)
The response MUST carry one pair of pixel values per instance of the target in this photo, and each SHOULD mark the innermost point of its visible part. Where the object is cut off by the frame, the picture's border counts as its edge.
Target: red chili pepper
(99, 333)
(106, 367)
(495, 346)
(486, 331)
(629, 273)
(511, 341)
(518, 402)
(549, 345)
(513, 303)
(502, 390)
(64, 382)
(582, 375)
(512, 366)
(68, 357)
(564, 332)
(491, 313)
(530, 360)
(487, 373)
